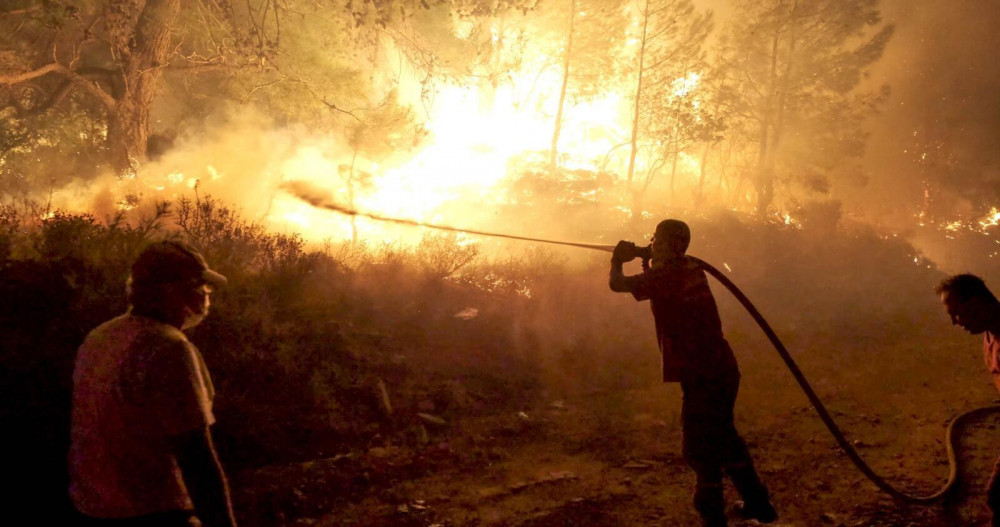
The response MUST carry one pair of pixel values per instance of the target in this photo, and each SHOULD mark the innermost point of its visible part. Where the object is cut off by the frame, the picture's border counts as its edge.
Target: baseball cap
(173, 261)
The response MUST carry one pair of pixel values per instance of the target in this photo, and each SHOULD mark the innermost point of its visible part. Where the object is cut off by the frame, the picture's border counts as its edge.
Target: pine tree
(792, 69)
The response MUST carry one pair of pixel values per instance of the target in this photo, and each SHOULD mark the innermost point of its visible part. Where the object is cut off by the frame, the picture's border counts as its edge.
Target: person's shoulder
(690, 264)
(150, 331)
(134, 336)
(130, 323)
(161, 329)
(139, 333)
(681, 266)
(110, 330)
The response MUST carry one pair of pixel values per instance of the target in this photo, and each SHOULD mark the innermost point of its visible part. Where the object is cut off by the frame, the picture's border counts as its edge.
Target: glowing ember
(954, 226)
(468, 313)
(992, 219)
(685, 85)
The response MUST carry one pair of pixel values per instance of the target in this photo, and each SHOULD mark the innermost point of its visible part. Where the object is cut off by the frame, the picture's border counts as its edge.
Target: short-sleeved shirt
(137, 384)
(688, 328)
(991, 353)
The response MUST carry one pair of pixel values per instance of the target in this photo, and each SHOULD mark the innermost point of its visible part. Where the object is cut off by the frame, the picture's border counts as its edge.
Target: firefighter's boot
(756, 502)
(709, 503)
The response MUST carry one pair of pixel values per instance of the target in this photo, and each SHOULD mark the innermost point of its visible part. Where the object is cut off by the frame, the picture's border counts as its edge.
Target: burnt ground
(612, 457)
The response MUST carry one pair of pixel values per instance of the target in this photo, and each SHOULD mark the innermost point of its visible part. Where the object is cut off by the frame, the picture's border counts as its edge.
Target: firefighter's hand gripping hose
(318, 199)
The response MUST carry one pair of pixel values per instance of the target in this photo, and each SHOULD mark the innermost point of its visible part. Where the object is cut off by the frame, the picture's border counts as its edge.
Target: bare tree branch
(90, 86)
(261, 86)
(77, 79)
(22, 11)
(195, 67)
(334, 107)
(28, 75)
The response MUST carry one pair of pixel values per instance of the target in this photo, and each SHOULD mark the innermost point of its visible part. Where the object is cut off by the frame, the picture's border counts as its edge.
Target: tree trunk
(638, 96)
(554, 152)
(637, 201)
(673, 170)
(781, 89)
(764, 177)
(777, 100)
(350, 199)
(765, 191)
(699, 194)
(142, 62)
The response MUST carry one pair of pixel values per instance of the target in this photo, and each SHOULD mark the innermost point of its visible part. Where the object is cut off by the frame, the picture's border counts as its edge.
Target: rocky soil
(612, 457)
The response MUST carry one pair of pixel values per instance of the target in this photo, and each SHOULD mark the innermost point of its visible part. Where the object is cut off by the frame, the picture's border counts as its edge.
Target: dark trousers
(713, 446)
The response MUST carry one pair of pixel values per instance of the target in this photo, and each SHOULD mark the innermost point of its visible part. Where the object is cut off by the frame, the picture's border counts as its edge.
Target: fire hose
(952, 433)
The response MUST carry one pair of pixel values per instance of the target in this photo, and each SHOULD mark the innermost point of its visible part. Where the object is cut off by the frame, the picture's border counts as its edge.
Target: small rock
(432, 419)
(559, 475)
(519, 486)
(492, 492)
(423, 436)
(383, 394)
(468, 313)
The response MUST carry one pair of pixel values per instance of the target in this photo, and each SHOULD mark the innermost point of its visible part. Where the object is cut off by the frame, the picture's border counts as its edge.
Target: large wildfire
(465, 159)
(400, 342)
(462, 146)
(472, 140)
(458, 171)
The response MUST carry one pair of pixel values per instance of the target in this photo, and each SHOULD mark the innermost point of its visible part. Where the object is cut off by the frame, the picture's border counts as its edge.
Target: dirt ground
(612, 457)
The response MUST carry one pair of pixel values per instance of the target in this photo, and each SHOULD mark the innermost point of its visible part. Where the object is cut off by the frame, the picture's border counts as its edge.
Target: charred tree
(794, 67)
(567, 58)
(144, 49)
(110, 58)
(116, 57)
(634, 138)
(670, 47)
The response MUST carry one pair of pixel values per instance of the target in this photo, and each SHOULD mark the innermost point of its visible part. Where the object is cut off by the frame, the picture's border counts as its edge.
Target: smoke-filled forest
(836, 159)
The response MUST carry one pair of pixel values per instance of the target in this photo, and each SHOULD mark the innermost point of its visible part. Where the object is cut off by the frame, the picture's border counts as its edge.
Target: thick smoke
(939, 130)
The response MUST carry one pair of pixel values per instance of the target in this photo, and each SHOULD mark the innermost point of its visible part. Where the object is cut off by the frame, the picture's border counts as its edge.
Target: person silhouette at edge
(971, 305)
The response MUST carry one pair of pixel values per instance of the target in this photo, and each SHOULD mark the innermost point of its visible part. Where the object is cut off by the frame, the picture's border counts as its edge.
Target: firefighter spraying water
(684, 273)
(695, 354)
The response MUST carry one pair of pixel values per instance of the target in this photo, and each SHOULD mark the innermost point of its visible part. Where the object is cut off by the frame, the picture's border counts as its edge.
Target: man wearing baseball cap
(141, 451)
